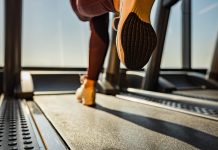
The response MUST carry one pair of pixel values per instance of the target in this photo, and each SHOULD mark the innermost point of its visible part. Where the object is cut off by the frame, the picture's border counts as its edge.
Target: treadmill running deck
(120, 124)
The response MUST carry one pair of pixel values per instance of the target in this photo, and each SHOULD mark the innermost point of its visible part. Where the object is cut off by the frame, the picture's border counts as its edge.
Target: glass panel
(172, 56)
(53, 36)
(204, 32)
(1, 33)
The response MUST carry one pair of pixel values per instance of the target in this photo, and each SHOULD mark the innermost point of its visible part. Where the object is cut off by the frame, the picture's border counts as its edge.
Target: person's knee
(82, 7)
(91, 8)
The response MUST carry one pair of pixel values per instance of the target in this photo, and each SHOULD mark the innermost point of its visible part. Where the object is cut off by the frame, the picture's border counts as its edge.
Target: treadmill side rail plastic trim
(155, 104)
(50, 136)
(178, 98)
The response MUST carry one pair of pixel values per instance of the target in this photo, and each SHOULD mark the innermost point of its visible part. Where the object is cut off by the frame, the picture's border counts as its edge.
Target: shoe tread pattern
(138, 39)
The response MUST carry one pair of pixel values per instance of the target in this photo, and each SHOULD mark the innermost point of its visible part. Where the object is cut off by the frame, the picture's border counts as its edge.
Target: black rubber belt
(15, 129)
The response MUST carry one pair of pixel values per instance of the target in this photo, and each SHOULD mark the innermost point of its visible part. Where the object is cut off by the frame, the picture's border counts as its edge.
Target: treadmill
(186, 85)
(39, 111)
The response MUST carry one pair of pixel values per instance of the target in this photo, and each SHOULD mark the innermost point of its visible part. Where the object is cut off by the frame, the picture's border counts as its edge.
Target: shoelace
(114, 21)
(116, 18)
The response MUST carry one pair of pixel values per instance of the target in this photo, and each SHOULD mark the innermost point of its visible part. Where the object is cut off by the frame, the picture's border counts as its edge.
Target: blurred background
(54, 37)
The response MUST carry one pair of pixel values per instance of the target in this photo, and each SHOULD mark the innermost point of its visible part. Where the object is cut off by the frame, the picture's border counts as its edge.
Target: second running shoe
(136, 38)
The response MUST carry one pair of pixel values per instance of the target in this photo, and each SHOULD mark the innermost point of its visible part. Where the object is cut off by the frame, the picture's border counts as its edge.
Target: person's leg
(98, 47)
(87, 9)
(136, 38)
(93, 8)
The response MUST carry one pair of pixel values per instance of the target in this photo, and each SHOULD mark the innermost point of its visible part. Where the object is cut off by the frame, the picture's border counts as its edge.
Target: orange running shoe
(86, 92)
(136, 38)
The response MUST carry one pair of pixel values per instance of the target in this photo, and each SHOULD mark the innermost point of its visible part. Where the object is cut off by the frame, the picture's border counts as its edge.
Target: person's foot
(136, 38)
(86, 92)
(83, 78)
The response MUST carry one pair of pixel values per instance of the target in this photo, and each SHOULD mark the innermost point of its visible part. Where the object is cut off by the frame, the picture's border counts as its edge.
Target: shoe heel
(88, 103)
(88, 98)
(142, 8)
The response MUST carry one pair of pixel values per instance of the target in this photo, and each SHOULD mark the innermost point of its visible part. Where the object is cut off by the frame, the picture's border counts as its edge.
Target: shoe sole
(82, 99)
(92, 104)
(78, 97)
(136, 38)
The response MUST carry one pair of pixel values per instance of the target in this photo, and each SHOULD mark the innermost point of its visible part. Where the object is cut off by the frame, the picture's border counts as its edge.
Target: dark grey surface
(186, 34)
(213, 71)
(161, 22)
(203, 94)
(118, 124)
(12, 38)
(1, 81)
(112, 72)
(55, 82)
(169, 3)
(16, 132)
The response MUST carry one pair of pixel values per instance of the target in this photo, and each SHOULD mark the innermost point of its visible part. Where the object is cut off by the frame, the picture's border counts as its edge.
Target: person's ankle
(116, 5)
(89, 83)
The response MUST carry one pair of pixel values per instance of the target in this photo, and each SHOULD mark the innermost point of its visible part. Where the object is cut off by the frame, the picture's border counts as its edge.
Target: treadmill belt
(202, 94)
(118, 124)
